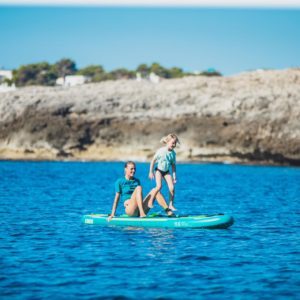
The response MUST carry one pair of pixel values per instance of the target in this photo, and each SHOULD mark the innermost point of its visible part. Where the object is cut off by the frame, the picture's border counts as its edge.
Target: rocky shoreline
(250, 118)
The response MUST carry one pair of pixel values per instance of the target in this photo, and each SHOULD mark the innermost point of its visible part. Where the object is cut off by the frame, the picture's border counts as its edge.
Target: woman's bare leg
(146, 200)
(131, 205)
(160, 200)
(134, 206)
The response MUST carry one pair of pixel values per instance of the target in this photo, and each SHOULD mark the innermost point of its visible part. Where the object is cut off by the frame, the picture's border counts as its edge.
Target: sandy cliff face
(251, 117)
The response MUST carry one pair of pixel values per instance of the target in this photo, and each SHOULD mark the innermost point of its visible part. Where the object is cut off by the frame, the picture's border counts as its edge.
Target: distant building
(139, 76)
(72, 80)
(151, 77)
(154, 78)
(6, 74)
(4, 85)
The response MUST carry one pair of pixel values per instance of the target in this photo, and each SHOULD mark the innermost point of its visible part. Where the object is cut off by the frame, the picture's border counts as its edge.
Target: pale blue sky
(230, 40)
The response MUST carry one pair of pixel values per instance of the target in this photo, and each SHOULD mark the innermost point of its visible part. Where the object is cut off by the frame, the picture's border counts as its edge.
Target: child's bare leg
(170, 184)
(158, 179)
(162, 202)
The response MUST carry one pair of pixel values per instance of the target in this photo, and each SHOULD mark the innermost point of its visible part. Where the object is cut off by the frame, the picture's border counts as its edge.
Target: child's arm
(174, 173)
(114, 207)
(151, 175)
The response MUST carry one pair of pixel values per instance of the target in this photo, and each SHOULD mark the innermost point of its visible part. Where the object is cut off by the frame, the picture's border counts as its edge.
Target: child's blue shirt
(165, 158)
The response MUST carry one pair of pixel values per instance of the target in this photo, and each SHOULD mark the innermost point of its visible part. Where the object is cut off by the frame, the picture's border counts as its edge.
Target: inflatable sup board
(161, 221)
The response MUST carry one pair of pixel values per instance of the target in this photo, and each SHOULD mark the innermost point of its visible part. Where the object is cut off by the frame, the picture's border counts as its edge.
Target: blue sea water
(47, 253)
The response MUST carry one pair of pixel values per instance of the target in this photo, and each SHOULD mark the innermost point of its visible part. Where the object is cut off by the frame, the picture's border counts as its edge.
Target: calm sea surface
(46, 253)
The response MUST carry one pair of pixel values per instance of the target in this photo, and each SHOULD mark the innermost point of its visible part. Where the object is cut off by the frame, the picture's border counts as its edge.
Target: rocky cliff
(250, 117)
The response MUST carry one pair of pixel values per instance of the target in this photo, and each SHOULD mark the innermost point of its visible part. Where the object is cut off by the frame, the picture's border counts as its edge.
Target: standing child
(165, 157)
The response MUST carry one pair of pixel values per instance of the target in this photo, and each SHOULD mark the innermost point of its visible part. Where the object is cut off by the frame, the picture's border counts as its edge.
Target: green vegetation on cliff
(43, 73)
(46, 74)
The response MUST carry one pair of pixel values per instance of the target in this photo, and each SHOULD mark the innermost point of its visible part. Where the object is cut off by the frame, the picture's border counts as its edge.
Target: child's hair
(170, 136)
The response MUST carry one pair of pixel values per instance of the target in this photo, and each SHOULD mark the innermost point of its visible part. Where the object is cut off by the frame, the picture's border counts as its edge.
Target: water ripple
(46, 253)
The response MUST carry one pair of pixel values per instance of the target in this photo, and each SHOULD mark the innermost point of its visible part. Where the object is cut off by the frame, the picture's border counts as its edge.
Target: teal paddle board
(162, 221)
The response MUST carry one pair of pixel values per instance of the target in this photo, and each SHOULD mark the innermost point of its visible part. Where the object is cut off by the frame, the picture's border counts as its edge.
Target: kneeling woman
(129, 190)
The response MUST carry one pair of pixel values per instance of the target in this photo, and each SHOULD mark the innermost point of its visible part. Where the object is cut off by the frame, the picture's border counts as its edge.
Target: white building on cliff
(72, 80)
(5, 77)
(152, 77)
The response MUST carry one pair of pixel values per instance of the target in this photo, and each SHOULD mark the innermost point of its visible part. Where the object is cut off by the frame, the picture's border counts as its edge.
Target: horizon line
(158, 3)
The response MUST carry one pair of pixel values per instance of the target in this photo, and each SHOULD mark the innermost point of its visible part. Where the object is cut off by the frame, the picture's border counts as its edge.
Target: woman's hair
(129, 163)
(170, 136)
